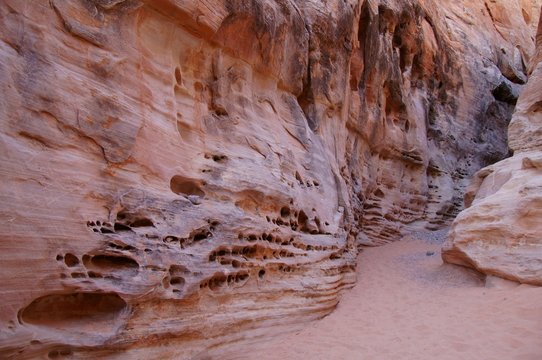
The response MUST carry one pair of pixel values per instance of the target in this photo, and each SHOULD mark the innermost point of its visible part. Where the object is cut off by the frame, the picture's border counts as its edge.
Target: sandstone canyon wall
(500, 233)
(178, 175)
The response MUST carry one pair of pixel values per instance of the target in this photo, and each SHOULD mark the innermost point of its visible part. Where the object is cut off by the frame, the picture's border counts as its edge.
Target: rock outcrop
(178, 175)
(500, 233)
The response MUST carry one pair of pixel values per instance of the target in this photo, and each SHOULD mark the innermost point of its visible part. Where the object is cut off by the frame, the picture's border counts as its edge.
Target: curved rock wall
(178, 175)
(500, 232)
(430, 95)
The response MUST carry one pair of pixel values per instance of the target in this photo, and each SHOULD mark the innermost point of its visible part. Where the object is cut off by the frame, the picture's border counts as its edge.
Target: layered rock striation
(500, 231)
(178, 175)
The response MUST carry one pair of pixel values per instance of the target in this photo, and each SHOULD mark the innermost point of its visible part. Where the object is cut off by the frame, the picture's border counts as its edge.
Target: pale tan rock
(525, 130)
(179, 175)
(499, 234)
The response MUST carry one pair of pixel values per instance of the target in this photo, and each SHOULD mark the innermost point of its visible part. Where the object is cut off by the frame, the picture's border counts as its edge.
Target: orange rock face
(178, 175)
(500, 233)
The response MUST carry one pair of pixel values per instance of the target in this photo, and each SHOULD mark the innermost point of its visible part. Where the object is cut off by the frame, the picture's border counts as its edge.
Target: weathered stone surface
(500, 233)
(423, 116)
(525, 130)
(161, 185)
(178, 175)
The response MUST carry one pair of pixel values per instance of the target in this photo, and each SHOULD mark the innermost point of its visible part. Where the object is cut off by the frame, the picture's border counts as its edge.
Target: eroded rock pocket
(111, 263)
(81, 311)
(184, 186)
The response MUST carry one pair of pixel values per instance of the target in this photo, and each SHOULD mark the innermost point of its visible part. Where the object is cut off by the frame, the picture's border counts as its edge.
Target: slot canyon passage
(271, 179)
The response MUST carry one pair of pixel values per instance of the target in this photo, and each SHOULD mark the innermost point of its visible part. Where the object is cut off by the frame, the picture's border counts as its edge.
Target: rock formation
(178, 175)
(500, 233)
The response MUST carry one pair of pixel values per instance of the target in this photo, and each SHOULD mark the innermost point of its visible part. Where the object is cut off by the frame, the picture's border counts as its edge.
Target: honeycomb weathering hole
(302, 218)
(183, 186)
(178, 76)
(71, 260)
(114, 263)
(79, 311)
(285, 212)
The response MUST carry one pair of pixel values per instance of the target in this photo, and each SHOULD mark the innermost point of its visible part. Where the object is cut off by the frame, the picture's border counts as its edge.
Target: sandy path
(408, 305)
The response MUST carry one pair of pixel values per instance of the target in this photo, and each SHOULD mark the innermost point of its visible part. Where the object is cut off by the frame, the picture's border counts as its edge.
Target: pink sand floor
(407, 304)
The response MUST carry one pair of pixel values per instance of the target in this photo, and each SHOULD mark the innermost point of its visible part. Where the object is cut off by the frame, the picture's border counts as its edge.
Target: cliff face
(499, 233)
(177, 175)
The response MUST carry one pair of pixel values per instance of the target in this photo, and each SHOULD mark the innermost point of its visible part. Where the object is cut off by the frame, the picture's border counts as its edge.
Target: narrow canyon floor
(407, 304)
